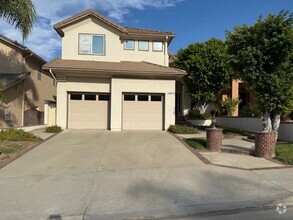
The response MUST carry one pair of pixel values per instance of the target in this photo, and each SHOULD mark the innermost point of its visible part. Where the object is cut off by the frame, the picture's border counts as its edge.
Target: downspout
(23, 103)
(23, 87)
(53, 75)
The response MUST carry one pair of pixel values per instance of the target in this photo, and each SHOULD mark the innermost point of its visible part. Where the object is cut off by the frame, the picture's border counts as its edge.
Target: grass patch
(284, 153)
(236, 132)
(11, 148)
(196, 143)
(182, 129)
(17, 135)
(53, 129)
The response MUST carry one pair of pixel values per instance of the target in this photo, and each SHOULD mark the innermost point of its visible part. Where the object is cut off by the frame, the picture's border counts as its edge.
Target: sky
(191, 20)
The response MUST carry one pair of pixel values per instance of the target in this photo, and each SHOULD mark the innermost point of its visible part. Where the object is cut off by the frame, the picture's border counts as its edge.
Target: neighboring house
(26, 88)
(113, 77)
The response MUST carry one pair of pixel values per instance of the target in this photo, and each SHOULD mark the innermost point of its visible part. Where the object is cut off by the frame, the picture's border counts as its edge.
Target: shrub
(230, 105)
(53, 129)
(195, 114)
(250, 111)
(182, 129)
(10, 148)
(17, 135)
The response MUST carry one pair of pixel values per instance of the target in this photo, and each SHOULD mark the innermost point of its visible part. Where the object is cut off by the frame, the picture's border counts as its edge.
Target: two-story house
(29, 93)
(113, 77)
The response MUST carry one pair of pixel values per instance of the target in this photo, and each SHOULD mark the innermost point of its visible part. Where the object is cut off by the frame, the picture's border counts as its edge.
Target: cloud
(46, 42)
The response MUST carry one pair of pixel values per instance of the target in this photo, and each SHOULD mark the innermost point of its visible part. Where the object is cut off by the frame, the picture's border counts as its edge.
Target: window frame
(144, 41)
(153, 43)
(124, 44)
(91, 44)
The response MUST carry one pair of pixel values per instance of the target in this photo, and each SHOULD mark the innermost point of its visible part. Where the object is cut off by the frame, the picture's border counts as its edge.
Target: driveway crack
(97, 180)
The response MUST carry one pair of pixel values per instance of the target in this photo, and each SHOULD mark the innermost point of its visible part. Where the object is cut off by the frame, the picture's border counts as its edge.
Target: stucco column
(235, 94)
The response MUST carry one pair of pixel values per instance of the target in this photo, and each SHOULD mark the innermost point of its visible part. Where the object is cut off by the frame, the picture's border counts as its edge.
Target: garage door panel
(88, 114)
(142, 115)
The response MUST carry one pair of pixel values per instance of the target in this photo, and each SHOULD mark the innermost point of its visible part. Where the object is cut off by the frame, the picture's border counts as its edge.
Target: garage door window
(75, 96)
(129, 97)
(143, 98)
(156, 98)
(90, 97)
(104, 97)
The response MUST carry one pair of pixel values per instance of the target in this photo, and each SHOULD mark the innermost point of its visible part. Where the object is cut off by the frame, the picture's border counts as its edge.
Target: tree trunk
(268, 127)
(276, 124)
(203, 107)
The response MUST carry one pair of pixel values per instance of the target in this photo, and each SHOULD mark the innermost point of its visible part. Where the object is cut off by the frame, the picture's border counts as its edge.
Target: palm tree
(20, 13)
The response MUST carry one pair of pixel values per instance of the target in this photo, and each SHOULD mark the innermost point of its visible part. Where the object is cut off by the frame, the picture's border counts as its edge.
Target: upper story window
(143, 45)
(129, 44)
(92, 44)
(157, 46)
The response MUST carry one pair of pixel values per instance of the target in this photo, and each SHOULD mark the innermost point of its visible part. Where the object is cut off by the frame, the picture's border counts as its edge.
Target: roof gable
(126, 31)
(90, 13)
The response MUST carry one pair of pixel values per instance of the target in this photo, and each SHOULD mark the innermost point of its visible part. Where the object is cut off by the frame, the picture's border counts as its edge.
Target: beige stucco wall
(13, 102)
(37, 91)
(114, 47)
(11, 60)
(77, 85)
(119, 86)
(115, 86)
(157, 57)
(70, 41)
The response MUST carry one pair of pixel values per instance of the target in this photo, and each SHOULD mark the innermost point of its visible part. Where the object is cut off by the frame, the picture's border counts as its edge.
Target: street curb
(5, 163)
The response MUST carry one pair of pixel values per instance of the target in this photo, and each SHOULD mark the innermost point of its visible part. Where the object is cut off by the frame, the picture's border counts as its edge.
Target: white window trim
(129, 48)
(144, 41)
(91, 48)
(154, 47)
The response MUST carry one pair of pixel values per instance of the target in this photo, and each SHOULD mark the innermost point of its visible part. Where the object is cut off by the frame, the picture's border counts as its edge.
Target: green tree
(20, 13)
(262, 55)
(207, 68)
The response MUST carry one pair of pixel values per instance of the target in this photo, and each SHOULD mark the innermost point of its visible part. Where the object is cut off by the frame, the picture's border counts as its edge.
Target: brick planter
(265, 144)
(214, 139)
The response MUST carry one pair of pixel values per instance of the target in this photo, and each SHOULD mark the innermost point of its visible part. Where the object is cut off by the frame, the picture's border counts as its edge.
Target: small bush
(17, 135)
(195, 114)
(230, 105)
(53, 129)
(250, 111)
(11, 148)
(182, 129)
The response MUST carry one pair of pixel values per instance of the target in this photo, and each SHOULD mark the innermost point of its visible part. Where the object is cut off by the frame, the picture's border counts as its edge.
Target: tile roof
(125, 30)
(116, 68)
(9, 79)
(23, 48)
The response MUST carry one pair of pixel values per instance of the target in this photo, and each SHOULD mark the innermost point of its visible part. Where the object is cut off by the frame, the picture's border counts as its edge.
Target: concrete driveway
(118, 175)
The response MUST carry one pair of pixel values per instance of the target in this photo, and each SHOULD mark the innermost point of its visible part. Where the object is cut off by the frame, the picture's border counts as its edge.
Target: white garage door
(142, 112)
(88, 111)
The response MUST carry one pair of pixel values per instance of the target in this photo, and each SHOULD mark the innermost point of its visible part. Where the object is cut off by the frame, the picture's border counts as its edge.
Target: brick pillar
(265, 144)
(214, 139)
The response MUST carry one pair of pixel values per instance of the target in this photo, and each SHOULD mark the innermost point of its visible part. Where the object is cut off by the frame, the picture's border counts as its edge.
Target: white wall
(119, 86)
(70, 41)
(77, 85)
(253, 125)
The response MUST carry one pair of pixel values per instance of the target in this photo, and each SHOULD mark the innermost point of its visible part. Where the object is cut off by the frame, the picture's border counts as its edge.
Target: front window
(129, 44)
(91, 44)
(143, 45)
(157, 46)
